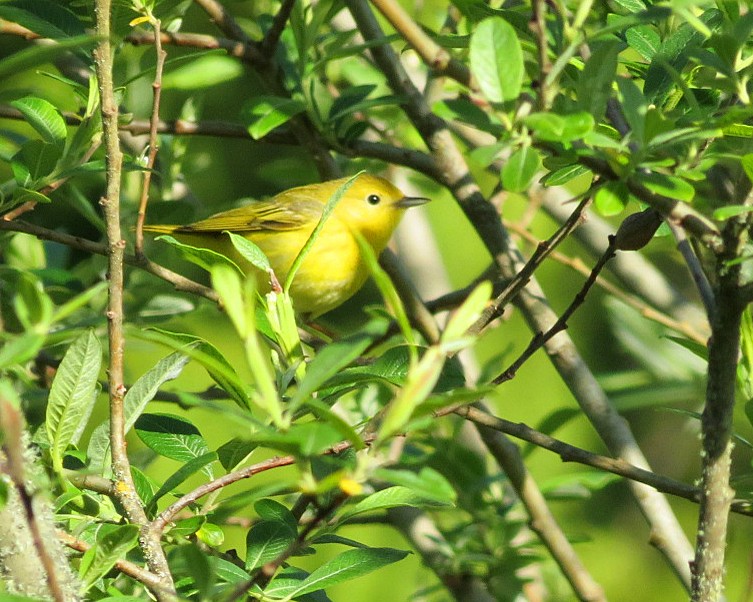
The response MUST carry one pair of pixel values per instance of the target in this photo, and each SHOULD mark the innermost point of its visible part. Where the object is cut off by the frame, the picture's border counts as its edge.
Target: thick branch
(716, 423)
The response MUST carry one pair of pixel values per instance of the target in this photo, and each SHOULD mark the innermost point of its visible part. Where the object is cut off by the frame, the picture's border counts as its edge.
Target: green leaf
(644, 39)
(229, 572)
(332, 358)
(633, 6)
(467, 314)
(206, 354)
(73, 394)
(560, 128)
(113, 543)
(673, 56)
(187, 526)
(35, 160)
(329, 207)
(520, 169)
(723, 213)
(594, 85)
(72, 305)
(204, 72)
(44, 17)
(171, 436)
(669, 186)
(43, 117)
(302, 440)
(394, 497)
(738, 130)
(349, 98)
(266, 540)
(249, 251)
(275, 511)
(20, 349)
(496, 59)
(422, 378)
(227, 283)
(611, 198)
(348, 565)
(634, 107)
(191, 467)
(747, 163)
(563, 175)
(31, 302)
(388, 292)
(234, 452)
(136, 399)
(211, 534)
(27, 195)
(264, 113)
(204, 258)
(427, 483)
(194, 569)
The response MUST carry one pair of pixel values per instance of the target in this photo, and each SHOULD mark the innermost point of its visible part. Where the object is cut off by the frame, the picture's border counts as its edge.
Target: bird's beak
(411, 201)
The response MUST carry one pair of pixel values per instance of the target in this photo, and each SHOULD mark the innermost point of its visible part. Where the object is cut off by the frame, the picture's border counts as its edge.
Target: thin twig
(523, 276)
(571, 453)
(159, 524)
(271, 39)
(540, 339)
(124, 566)
(538, 27)
(181, 283)
(245, 51)
(648, 312)
(121, 468)
(696, 270)
(153, 140)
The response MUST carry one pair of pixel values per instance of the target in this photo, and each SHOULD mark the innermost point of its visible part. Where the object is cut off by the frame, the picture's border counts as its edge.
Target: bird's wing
(264, 215)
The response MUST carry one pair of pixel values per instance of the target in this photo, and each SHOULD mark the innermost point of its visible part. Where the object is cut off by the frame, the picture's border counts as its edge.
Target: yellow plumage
(334, 269)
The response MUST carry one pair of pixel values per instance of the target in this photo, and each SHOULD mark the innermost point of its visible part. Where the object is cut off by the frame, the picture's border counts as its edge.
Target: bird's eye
(373, 199)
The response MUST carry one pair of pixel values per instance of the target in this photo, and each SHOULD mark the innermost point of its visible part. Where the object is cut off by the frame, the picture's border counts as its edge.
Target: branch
(436, 57)
(153, 142)
(648, 312)
(159, 524)
(121, 468)
(124, 566)
(181, 283)
(716, 425)
(272, 38)
(524, 274)
(631, 269)
(541, 338)
(571, 453)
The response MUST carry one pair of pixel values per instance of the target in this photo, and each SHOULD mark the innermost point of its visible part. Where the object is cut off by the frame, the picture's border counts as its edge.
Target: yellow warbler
(333, 270)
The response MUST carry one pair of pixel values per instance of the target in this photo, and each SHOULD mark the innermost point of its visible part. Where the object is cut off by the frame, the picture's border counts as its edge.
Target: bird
(334, 268)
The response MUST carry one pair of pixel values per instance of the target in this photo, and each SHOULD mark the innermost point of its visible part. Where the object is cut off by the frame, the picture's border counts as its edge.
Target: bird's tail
(160, 228)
